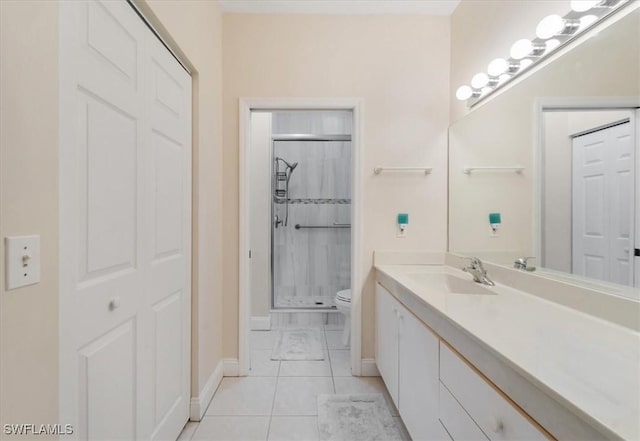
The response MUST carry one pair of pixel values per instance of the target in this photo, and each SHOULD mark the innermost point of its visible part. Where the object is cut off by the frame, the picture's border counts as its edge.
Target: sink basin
(450, 283)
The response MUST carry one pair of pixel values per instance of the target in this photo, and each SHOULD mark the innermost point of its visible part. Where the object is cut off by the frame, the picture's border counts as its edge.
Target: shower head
(289, 165)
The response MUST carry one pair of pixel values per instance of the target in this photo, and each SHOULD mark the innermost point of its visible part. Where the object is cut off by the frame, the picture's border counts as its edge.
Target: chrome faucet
(521, 263)
(476, 269)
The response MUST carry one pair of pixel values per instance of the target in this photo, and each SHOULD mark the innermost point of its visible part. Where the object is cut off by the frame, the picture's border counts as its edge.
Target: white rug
(298, 344)
(362, 417)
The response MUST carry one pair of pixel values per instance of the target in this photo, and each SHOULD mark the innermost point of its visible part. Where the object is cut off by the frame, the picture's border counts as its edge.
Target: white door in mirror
(22, 260)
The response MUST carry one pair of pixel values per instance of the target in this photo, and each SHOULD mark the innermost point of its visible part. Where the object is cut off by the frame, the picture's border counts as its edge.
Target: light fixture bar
(553, 33)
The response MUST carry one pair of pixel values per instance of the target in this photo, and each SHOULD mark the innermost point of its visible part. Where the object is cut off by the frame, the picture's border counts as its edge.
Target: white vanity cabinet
(491, 411)
(387, 345)
(435, 389)
(407, 358)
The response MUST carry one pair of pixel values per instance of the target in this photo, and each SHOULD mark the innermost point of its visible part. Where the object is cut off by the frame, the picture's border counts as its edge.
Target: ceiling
(421, 7)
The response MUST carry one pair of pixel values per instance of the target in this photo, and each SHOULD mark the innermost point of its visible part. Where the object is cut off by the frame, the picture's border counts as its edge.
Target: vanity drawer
(458, 423)
(498, 418)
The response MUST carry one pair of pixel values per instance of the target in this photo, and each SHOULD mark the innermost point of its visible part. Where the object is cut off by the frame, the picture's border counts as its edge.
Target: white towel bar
(517, 169)
(426, 170)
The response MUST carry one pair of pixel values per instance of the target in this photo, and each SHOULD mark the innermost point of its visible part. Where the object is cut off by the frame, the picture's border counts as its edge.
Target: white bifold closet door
(125, 227)
(604, 204)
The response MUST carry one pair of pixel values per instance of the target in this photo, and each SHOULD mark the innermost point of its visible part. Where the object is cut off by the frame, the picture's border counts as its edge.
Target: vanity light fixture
(465, 92)
(497, 67)
(525, 63)
(583, 5)
(552, 33)
(587, 21)
(552, 44)
(553, 25)
(521, 49)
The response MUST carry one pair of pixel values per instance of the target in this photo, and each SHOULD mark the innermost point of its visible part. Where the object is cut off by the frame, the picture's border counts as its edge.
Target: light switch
(22, 260)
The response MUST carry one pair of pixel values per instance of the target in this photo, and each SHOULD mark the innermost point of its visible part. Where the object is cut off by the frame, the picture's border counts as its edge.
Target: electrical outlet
(22, 261)
(402, 231)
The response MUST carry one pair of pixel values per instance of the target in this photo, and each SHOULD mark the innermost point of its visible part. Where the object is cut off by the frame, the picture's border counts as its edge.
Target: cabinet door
(498, 418)
(387, 339)
(418, 378)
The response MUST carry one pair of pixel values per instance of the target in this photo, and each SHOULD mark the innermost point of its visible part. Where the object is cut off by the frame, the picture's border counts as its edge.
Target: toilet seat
(344, 295)
(343, 305)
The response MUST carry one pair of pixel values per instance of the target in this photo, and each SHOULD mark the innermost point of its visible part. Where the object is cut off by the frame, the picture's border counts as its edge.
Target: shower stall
(310, 208)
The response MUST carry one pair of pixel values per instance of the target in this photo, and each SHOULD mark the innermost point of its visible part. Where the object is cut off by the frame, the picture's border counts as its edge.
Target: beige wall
(196, 28)
(28, 205)
(399, 65)
(500, 132)
(29, 194)
(484, 30)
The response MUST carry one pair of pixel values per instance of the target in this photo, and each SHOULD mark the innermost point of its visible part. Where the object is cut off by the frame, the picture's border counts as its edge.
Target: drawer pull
(497, 425)
(114, 303)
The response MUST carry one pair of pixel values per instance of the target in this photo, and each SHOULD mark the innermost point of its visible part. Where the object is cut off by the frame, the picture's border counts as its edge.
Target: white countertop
(588, 364)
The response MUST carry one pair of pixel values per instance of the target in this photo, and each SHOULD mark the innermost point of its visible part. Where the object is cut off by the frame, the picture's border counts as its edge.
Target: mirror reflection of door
(589, 198)
(603, 204)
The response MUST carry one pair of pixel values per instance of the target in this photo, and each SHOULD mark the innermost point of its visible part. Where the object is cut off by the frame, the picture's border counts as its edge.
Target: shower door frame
(246, 106)
(294, 138)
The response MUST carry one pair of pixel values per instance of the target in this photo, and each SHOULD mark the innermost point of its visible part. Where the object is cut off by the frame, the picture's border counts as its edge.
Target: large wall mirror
(548, 169)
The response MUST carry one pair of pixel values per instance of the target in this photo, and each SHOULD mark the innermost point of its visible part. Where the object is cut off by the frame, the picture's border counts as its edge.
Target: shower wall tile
(313, 262)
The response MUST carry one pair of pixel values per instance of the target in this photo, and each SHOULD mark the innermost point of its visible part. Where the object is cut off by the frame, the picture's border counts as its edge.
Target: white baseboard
(231, 367)
(199, 404)
(369, 368)
(261, 323)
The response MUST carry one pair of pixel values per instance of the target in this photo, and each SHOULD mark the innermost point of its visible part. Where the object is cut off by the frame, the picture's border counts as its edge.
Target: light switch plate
(22, 261)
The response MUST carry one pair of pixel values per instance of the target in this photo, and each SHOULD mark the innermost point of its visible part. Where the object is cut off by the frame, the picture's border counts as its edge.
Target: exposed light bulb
(549, 26)
(497, 67)
(464, 93)
(583, 5)
(485, 90)
(587, 21)
(479, 80)
(552, 44)
(521, 49)
(503, 78)
(526, 63)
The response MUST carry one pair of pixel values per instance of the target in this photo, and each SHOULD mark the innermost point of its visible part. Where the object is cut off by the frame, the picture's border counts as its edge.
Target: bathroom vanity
(465, 361)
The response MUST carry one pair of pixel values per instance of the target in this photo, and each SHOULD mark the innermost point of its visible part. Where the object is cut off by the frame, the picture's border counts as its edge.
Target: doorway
(289, 159)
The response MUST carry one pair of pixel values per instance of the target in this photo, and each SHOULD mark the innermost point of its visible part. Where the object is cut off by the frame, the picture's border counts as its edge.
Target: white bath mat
(298, 344)
(362, 417)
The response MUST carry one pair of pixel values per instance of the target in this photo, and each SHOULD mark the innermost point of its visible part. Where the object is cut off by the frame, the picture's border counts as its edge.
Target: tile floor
(277, 401)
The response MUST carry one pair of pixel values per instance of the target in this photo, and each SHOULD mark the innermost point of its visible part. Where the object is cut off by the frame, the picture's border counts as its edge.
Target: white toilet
(343, 304)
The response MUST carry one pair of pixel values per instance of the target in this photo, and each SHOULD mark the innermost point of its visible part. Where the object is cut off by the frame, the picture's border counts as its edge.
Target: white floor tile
(188, 431)
(262, 339)
(294, 428)
(403, 429)
(334, 340)
(298, 395)
(340, 362)
(305, 368)
(232, 428)
(243, 396)
(364, 385)
(262, 365)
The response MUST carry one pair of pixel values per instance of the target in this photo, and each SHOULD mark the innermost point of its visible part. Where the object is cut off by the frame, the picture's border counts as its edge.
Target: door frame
(246, 105)
(541, 105)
